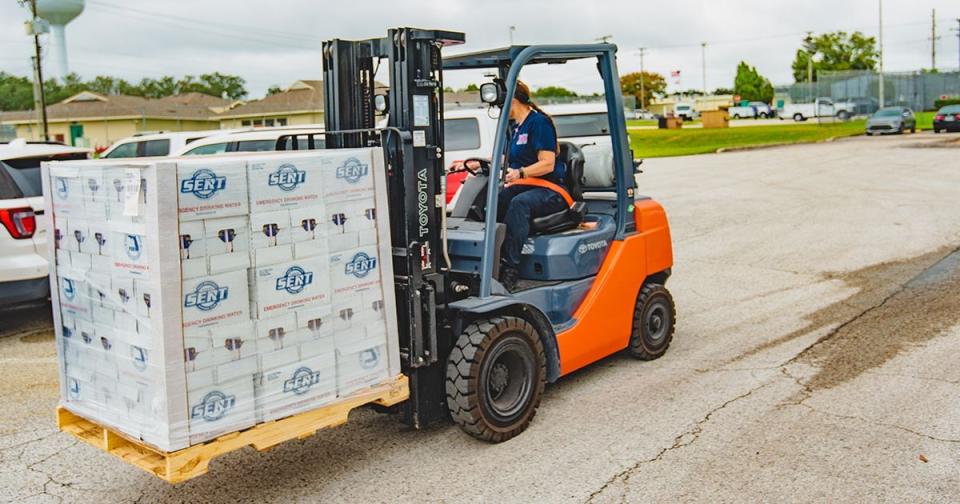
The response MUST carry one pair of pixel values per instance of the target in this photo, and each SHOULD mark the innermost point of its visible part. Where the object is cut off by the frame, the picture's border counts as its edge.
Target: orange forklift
(592, 276)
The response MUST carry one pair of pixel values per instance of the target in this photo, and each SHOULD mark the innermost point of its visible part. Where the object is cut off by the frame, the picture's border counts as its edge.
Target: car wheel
(798, 117)
(763, 115)
(495, 378)
(654, 321)
(842, 115)
(935, 130)
(913, 129)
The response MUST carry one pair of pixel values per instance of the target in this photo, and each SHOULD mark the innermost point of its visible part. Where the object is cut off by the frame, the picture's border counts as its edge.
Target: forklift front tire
(495, 378)
(654, 321)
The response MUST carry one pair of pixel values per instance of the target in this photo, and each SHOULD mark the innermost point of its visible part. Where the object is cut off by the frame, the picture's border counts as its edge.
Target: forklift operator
(533, 181)
(532, 161)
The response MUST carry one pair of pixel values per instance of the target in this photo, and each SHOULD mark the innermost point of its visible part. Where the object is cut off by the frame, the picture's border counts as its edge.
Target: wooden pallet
(181, 465)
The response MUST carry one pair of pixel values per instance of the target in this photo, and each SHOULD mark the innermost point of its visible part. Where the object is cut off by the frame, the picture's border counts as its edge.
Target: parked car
(685, 111)
(257, 140)
(947, 119)
(821, 107)
(742, 112)
(23, 241)
(892, 120)
(154, 144)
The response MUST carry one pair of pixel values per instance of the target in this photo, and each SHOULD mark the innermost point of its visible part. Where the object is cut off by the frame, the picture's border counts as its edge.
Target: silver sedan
(892, 120)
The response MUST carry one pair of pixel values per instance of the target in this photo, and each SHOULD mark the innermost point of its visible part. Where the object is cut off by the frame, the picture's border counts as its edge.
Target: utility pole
(512, 29)
(810, 70)
(703, 65)
(39, 96)
(881, 100)
(642, 77)
(604, 39)
(933, 40)
(958, 37)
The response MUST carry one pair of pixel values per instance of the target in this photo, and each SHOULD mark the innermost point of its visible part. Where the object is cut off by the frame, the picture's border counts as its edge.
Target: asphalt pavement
(818, 299)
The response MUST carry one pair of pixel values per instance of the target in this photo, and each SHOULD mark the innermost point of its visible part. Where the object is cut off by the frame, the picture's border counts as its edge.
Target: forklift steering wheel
(484, 166)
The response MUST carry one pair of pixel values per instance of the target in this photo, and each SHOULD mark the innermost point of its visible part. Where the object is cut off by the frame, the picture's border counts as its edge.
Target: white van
(257, 140)
(154, 144)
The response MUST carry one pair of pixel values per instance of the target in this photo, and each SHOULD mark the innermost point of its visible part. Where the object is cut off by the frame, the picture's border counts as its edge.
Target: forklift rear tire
(654, 321)
(495, 378)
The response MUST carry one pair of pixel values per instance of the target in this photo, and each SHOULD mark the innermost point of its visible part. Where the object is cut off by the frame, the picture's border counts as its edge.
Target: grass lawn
(925, 120)
(684, 142)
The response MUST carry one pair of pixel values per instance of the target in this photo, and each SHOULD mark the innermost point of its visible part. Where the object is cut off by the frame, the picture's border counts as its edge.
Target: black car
(947, 119)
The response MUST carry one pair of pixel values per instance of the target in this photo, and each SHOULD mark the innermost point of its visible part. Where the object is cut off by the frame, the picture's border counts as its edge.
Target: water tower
(59, 13)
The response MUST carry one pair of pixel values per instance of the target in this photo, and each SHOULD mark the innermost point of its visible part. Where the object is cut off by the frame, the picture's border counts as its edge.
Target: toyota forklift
(592, 275)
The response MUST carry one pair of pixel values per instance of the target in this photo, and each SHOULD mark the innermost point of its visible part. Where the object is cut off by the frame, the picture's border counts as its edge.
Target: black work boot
(509, 276)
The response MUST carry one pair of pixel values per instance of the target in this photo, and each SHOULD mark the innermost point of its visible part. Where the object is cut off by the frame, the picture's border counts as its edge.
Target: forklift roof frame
(509, 61)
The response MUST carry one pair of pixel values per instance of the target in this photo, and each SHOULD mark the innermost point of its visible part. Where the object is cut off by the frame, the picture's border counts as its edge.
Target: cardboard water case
(286, 287)
(360, 363)
(66, 186)
(221, 408)
(355, 270)
(347, 175)
(284, 182)
(215, 300)
(209, 188)
(296, 387)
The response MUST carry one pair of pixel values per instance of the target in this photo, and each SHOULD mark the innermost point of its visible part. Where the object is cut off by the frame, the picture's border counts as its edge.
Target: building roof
(90, 105)
(301, 96)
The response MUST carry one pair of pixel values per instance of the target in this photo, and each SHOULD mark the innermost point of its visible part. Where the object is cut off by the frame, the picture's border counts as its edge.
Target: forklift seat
(568, 218)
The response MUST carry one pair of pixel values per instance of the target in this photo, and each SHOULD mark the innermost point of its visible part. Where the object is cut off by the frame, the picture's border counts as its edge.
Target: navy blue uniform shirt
(535, 134)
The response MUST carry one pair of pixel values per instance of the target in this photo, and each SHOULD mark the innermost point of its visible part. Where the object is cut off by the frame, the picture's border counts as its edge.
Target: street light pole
(881, 54)
(642, 77)
(703, 64)
(512, 29)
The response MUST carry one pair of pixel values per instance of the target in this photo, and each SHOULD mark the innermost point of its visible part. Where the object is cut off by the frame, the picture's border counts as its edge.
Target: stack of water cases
(201, 296)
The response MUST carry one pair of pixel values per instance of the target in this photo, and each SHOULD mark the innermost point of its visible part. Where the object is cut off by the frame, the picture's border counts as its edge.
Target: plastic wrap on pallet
(195, 297)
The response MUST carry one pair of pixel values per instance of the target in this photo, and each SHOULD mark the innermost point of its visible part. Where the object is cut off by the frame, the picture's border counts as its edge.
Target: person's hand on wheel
(512, 175)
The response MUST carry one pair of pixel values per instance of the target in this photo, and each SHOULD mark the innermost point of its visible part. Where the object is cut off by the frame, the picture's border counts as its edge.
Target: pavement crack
(682, 440)
(880, 424)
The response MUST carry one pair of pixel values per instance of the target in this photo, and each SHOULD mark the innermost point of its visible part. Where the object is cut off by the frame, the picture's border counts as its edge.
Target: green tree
(554, 92)
(470, 87)
(16, 93)
(750, 85)
(835, 51)
(722, 91)
(274, 89)
(653, 85)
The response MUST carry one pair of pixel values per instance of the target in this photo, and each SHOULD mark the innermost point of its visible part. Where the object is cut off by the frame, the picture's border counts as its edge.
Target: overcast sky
(278, 41)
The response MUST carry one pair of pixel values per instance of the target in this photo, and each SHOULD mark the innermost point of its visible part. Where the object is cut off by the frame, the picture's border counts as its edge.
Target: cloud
(278, 42)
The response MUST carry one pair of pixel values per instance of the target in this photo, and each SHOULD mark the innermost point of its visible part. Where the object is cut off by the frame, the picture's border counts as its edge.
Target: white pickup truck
(821, 107)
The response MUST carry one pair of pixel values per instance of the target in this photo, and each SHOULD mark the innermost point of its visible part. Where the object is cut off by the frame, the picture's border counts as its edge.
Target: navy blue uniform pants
(516, 207)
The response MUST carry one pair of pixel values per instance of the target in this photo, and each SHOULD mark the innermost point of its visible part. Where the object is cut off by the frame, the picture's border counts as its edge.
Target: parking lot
(818, 297)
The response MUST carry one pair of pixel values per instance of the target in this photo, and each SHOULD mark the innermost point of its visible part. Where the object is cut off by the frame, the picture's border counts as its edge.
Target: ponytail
(522, 94)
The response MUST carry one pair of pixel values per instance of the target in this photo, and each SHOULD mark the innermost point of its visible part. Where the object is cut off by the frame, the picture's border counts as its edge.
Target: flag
(675, 74)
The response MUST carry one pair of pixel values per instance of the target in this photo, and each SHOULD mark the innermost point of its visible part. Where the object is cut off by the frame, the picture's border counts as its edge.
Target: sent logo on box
(360, 265)
(69, 289)
(203, 184)
(294, 280)
(303, 378)
(206, 296)
(134, 246)
(213, 406)
(352, 170)
(369, 358)
(62, 189)
(287, 177)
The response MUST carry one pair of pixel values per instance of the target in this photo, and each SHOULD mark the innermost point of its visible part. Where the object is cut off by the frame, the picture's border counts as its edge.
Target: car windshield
(20, 178)
(950, 109)
(889, 112)
(203, 150)
(581, 125)
(461, 134)
(127, 150)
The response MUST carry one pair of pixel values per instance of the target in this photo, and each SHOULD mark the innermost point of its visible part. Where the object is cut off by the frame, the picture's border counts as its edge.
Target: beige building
(301, 103)
(93, 120)
(700, 103)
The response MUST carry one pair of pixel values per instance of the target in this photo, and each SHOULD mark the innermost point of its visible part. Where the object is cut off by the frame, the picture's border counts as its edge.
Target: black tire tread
(637, 348)
(463, 370)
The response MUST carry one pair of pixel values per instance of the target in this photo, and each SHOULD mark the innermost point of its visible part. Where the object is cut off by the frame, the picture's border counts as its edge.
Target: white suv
(23, 239)
(154, 144)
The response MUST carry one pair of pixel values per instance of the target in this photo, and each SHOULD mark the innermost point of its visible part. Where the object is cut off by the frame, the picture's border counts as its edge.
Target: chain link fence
(917, 90)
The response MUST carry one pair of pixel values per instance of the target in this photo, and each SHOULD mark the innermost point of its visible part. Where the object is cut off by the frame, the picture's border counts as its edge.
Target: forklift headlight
(491, 93)
(380, 104)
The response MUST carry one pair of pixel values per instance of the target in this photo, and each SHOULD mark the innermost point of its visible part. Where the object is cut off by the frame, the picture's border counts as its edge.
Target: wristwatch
(523, 174)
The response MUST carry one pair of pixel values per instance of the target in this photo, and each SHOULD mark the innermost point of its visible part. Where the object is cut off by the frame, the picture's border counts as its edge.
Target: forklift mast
(413, 148)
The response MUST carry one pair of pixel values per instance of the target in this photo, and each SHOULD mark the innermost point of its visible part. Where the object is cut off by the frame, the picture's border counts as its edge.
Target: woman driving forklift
(533, 180)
